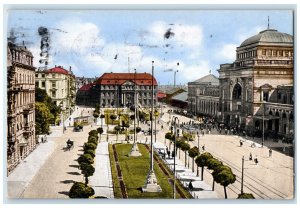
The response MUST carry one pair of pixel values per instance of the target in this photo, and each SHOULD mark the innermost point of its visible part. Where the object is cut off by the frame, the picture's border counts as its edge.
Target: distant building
(83, 95)
(203, 96)
(180, 101)
(20, 105)
(171, 93)
(59, 84)
(256, 90)
(81, 81)
(117, 89)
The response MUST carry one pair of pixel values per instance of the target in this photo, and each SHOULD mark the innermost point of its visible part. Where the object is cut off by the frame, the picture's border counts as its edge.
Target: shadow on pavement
(67, 181)
(74, 166)
(73, 173)
(64, 193)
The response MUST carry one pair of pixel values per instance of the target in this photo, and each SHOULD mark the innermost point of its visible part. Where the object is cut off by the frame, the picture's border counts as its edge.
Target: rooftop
(208, 79)
(121, 78)
(269, 36)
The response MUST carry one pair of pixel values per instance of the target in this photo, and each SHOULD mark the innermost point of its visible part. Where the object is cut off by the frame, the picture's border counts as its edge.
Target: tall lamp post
(151, 181)
(263, 122)
(134, 150)
(62, 117)
(242, 183)
(175, 75)
(174, 119)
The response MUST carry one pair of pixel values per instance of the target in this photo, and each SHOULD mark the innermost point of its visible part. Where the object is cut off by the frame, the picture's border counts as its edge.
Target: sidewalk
(201, 189)
(22, 175)
(101, 181)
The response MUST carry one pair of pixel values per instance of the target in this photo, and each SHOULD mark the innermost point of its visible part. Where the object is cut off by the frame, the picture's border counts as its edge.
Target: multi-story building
(20, 105)
(203, 96)
(59, 84)
(83, 95)
(117, 89)
(256, 90)
(81, 81)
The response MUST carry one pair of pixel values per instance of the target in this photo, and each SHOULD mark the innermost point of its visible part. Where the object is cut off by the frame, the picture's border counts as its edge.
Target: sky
(93, 42)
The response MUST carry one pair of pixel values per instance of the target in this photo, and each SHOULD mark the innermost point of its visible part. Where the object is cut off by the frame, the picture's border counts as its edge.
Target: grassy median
(135, 171)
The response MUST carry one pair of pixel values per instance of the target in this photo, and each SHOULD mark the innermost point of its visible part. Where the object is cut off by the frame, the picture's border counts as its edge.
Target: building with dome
(256, 90)
(59, 84)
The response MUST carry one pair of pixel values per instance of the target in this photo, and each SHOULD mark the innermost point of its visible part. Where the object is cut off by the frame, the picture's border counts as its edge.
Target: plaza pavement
(271, 178)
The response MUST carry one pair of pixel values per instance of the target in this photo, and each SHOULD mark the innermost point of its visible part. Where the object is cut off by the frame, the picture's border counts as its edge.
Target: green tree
(43, 117)
(93, 139)
(246, 196)
(185, 147)
(87, 170)
(85, 158)
(170, 136)
(201, 161)
(80, 190)
(193, 152)
(224, 176)
(179, 143)
(93, 133)
(89, 145)
(214, 165)
(90, 152)
(100, 131)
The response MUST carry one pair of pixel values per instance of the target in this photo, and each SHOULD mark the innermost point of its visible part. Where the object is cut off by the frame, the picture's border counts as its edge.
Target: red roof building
(121, 78)
(117, 89)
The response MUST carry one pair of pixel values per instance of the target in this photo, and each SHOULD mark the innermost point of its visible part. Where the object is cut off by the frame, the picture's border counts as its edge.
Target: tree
(214, 164)
(89, 145)
(93, 139)
(193, 152)
(85, 158)
(93, 133)
(201, 161)
(185, 147)
(43, 118)
(179, 143)
(246, 196)
(90, 152)
(170, 136)
(100, 131)
(224, 176)
(87, 170)
(80, 190)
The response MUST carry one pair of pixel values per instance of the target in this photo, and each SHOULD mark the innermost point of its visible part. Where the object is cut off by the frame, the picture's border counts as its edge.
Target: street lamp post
(242, 183)
(175, 75)
(263, 122)
(151, 181)
(175, 134)
(134, 150)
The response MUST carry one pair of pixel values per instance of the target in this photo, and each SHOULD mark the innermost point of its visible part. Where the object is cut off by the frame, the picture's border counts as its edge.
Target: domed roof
(269, 36)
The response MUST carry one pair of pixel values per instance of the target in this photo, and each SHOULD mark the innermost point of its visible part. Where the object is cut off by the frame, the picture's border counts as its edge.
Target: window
(53, 94)
(53, 75)
(37, 84)
(269, 52)
(279, 96)
(266, 96)
(54, 84)
(280, 53)
(43, 75)
(274, 53)
(36, 75)
(286, 53)
(264, 52)
(43, 84)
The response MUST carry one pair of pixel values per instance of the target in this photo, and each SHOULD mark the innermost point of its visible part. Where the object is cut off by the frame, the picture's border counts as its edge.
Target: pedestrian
(241, 143)
(190, 186)
(256, 160)
(270, 152)
(42, 139)
(250, 156)
(203, 147)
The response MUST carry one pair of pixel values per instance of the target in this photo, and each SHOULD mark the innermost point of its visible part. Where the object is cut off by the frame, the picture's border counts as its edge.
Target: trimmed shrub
(90, 152)
(80, 190)
(85, 158)
(89, 145)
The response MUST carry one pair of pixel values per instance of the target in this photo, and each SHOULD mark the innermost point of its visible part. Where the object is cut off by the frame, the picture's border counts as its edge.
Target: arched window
(237, 92)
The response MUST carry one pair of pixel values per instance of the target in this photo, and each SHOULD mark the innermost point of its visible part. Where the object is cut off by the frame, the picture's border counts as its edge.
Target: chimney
(70, 68)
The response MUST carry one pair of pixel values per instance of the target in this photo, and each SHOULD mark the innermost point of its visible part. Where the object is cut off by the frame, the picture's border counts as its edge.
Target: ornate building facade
(117, 89)
(20, 105)
(256, 90)
(59, 84)
(203, 96)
